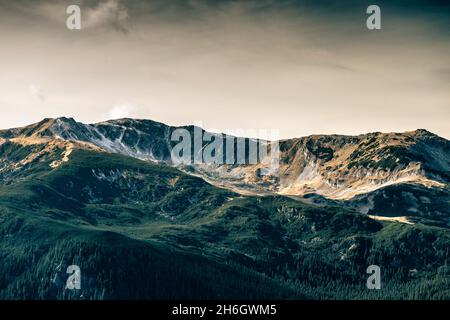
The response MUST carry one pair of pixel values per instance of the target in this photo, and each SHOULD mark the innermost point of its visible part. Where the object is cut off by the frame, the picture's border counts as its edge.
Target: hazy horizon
(302, 67)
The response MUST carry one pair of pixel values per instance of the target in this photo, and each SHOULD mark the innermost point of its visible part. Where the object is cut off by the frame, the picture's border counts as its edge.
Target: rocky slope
(143, 230)
(72, 193)
(355, 170)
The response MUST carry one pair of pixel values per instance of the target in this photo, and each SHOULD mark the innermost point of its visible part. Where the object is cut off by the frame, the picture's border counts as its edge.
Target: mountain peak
(333, 166)
(424, 132)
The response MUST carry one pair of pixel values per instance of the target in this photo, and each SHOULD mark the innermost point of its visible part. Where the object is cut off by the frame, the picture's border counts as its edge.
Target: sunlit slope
(145, 230)
(389, 174)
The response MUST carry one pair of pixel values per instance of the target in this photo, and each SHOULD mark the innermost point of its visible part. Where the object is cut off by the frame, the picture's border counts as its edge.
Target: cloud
(37, 92)
(106, 14)
(181, 61)
(110, 13)
(121, 111)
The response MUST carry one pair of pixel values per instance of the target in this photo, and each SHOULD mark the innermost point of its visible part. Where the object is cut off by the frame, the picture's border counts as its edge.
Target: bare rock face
(342, 167)
(364, 171)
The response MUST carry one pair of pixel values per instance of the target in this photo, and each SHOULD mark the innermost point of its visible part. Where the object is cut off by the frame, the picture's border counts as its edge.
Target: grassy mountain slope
(143, 230)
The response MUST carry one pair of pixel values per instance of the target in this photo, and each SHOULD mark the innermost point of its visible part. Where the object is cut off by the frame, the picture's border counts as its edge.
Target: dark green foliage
(146, 231)
(323, 153)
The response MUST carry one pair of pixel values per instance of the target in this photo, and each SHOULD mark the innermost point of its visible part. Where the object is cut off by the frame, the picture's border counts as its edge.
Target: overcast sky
(303, 67)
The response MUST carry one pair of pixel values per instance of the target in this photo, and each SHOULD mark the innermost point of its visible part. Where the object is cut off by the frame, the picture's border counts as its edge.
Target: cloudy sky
(302, 67)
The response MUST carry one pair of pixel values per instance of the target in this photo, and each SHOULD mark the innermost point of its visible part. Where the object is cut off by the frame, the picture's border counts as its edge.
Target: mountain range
(109, 198)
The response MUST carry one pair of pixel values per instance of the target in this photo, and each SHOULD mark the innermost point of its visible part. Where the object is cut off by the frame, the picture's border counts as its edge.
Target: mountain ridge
(422, 131)
(144, 229)
(336, 167)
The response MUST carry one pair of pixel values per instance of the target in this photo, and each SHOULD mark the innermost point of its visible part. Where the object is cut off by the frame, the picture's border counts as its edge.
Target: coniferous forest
(147, 231)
